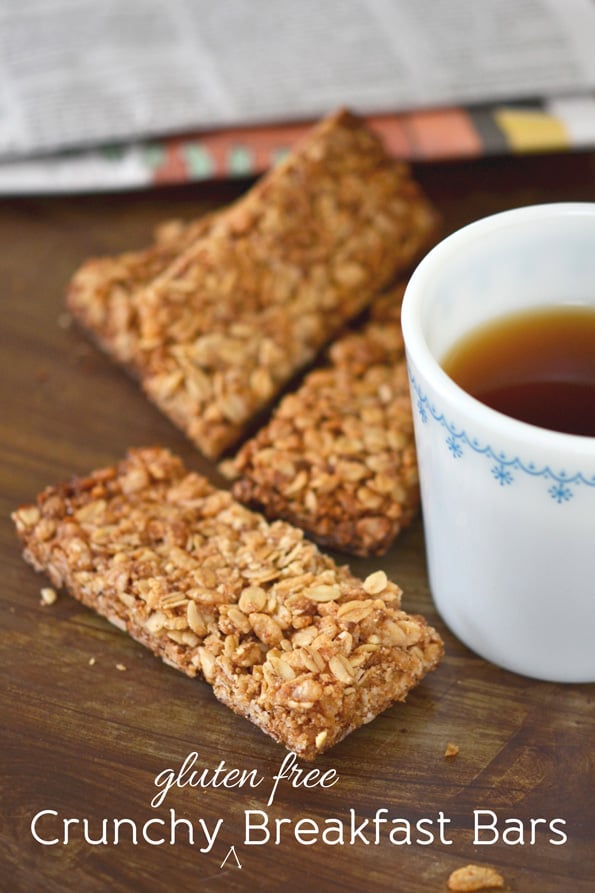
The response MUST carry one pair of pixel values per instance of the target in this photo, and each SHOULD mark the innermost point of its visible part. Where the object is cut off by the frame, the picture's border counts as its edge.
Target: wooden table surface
(85, 740)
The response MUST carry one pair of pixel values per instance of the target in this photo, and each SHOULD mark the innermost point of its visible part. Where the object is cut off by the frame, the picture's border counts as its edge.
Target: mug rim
(420, 355)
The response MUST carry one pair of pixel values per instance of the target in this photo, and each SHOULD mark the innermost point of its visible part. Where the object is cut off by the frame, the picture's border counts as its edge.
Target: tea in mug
(537, 365)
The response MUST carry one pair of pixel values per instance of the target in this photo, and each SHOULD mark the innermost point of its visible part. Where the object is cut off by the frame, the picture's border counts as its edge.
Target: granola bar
(217, 333)
(338, 456)
(101, 292)
(285, 637)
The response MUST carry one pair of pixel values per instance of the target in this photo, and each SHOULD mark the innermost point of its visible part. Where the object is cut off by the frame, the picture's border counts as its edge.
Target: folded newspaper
(118, 95)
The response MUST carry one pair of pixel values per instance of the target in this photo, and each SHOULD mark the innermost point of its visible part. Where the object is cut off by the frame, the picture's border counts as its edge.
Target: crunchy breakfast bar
(101, 292)
(285, 637)
(244, 306)
(338, 456)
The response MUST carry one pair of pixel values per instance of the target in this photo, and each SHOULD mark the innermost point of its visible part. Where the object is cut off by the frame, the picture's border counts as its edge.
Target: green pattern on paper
(154, 155)
(198, 161)
(240, 161)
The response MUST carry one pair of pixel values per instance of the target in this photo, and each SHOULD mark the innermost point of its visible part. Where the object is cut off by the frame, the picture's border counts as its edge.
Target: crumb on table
(49, 596)
(472, 878)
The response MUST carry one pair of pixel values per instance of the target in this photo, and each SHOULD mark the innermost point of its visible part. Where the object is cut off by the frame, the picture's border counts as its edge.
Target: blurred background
(130, 94)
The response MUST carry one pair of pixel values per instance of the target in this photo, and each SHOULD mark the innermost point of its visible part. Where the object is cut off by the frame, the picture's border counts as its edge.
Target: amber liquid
(537, 366)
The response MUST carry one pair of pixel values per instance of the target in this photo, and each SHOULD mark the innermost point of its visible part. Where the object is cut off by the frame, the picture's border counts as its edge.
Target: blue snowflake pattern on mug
(560, 492)
(502, 474)
(454, 446)
(561, 483)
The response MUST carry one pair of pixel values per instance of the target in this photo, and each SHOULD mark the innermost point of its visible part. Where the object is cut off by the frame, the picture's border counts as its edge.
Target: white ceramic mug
(509, 508)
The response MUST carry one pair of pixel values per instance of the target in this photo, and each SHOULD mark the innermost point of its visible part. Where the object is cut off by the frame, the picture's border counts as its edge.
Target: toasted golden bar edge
(285, 637)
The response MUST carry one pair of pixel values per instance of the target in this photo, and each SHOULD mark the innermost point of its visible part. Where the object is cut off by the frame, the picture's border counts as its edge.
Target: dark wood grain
(88, 741)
